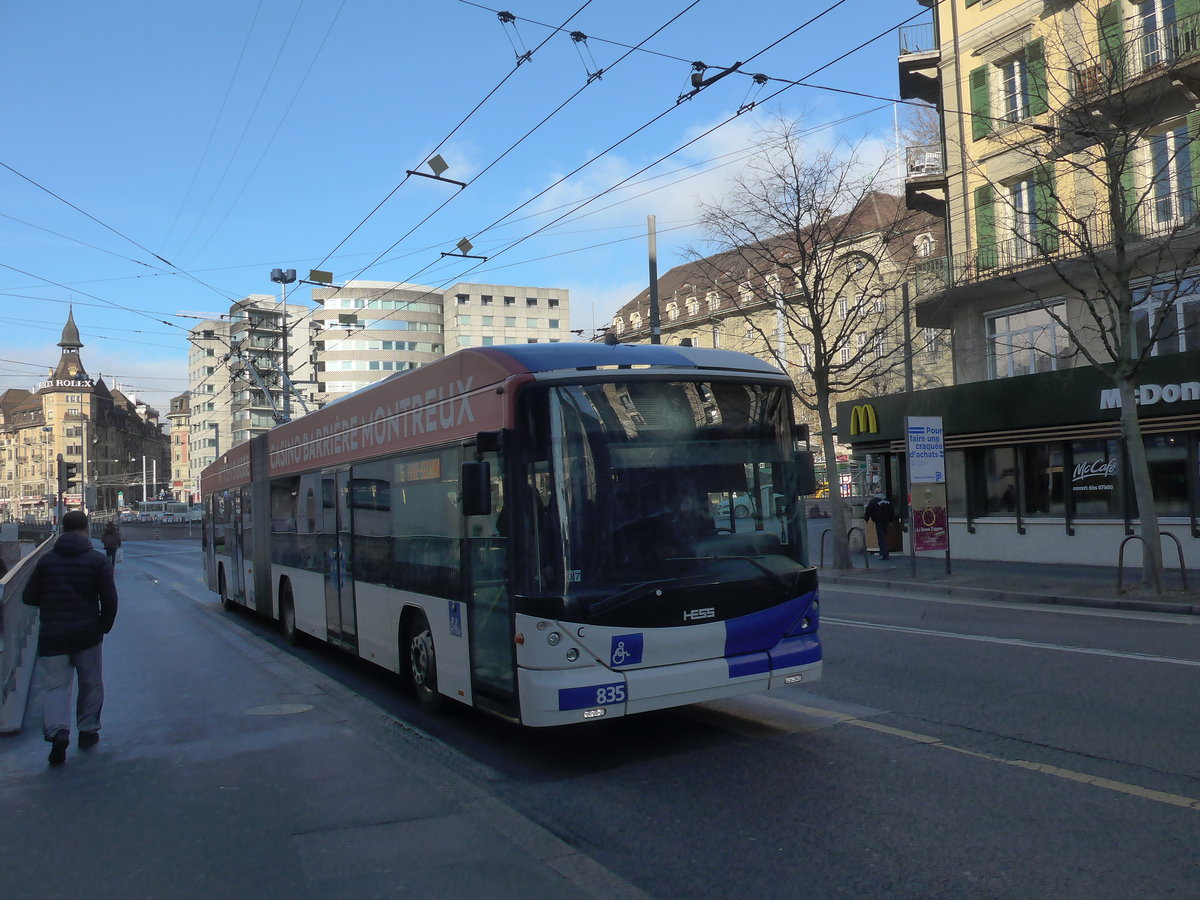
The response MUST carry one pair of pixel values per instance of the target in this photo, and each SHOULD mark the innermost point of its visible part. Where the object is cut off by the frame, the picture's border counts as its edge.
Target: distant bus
(158, 509)
(528, 529)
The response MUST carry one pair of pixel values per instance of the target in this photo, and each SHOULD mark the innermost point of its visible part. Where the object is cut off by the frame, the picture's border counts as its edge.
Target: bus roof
(447, 400)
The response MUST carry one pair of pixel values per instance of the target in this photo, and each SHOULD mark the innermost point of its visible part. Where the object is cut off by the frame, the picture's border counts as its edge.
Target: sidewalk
(1019, 582)
(228, 768)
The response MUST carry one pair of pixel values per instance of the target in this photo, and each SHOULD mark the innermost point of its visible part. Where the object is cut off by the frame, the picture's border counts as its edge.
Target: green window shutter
(1129, 189)
(1035, 65)
(985, 226)
(981, 123)
(1046, 208)
(1112, 37)
(971, 3)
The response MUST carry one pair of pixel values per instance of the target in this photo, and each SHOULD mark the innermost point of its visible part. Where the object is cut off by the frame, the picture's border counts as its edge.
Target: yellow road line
(1107, 784)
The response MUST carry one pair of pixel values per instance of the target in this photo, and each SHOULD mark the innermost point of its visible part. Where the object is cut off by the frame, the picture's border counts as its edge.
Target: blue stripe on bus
(762, 630)
(749, 664)
(592, 695)
(796, 651)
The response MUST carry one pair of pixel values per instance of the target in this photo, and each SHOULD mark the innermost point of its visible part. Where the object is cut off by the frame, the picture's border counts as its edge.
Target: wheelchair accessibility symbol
(626, 650)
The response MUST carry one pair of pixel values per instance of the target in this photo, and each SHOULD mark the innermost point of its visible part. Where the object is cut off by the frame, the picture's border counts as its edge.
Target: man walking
(72, 585)
(880, 511)
(110, 538)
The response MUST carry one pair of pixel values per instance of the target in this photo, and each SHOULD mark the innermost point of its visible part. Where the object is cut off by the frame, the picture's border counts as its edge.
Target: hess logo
(694, 615)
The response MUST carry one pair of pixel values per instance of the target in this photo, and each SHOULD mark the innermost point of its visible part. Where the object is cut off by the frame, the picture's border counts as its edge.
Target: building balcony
(919, 58)
(1169, 220)
(925, 186)
(1123, 80)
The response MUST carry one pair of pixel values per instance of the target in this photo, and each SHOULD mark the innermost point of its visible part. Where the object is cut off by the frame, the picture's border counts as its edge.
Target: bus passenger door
(237, 546)
(486, 583)
(337, 535)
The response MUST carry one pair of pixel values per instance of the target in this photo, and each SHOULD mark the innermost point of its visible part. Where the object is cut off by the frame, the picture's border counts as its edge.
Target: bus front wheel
(422, 663)
(287, 615)
(226, 600)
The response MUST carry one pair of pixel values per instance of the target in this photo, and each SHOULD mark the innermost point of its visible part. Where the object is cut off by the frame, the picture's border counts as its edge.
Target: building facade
(180, 484)
(367, 330)
(115, 442)
(757, 301)
(1066, 172)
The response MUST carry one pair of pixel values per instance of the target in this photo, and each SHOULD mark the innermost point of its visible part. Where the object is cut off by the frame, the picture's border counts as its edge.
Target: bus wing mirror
(476, 487)
(806, 473)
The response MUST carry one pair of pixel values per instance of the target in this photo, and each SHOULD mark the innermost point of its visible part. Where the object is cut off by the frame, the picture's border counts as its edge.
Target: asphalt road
(952, 749)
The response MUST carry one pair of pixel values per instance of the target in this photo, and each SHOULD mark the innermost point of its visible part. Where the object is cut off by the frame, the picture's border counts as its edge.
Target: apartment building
(1066, 174)
(367, 330)
(181, 485)
(236, 383)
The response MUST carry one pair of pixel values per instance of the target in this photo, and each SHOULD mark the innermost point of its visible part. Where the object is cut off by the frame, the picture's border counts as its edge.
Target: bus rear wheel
(422, 662)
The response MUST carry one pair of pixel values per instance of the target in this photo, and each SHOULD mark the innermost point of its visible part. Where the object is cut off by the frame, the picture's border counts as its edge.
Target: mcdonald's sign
(863, 419)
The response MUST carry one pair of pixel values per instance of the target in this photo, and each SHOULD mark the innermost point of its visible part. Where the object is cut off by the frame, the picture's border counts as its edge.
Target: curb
(1190, 606)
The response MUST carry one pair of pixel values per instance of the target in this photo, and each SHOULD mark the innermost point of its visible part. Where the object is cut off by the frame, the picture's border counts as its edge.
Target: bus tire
(287, 615)
(422, 662)
(226, 600)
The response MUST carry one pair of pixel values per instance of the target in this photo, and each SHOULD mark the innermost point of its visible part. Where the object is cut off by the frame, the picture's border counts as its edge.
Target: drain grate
(279, 709)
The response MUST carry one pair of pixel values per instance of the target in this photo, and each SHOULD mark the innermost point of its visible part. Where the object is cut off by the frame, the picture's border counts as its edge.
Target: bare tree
(811, 256)
(1098, 226)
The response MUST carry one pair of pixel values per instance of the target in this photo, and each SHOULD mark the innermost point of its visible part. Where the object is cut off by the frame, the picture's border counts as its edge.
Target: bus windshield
(655, 488)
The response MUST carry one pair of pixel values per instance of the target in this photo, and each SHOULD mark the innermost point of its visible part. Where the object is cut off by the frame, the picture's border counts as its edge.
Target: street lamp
(284, 277)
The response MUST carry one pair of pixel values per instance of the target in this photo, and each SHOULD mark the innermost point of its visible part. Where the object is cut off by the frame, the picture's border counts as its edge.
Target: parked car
(744, 505)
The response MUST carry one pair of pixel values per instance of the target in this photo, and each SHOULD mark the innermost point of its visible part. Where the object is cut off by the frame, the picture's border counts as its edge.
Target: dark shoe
(58, 750)
(88, 739)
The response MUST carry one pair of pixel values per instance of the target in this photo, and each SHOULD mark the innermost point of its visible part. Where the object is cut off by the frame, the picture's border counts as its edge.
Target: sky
(160, 159)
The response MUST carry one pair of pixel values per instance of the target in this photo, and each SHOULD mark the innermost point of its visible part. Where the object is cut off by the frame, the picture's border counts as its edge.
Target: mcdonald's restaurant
(1035, 465)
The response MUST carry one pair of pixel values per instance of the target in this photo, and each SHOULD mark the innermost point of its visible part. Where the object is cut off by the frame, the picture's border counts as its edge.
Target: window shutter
(971, 3)
(1112, 34)
(1047, 209)
(1035, 65)
(985, 226)
(1193, 130)
(1129, 187)
(981, 123)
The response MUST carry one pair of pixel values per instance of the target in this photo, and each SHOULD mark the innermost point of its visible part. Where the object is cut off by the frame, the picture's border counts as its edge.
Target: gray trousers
(58, 674)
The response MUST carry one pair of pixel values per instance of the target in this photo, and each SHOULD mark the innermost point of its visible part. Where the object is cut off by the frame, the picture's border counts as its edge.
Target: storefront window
(1043, 476)
(999, 472)
(1096, 479)
(1167, 455)
(1022, 341)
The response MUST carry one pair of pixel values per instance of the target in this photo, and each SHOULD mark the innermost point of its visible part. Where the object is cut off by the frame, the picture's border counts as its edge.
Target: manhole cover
(279, 709)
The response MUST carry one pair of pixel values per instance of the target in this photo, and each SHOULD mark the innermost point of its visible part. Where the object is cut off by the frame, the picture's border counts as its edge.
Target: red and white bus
(534, 530)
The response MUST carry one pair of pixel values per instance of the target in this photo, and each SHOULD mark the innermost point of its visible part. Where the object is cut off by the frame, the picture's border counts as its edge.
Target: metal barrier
(20, 640)
(849, 531)
(1138, 537)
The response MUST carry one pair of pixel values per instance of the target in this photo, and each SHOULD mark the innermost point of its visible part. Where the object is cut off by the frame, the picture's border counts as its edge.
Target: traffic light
(68, 473)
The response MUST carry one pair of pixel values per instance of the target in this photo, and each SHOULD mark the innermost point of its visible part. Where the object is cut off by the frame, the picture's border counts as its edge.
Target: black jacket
(72, 585)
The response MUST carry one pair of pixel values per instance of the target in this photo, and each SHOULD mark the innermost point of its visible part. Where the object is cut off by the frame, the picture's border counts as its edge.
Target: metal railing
(924, 159)
(19, 640)
(1138, 537)
(919, 38)
(1161, 217)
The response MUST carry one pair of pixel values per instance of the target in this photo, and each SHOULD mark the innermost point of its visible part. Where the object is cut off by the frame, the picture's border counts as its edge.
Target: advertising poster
(927, 485)
(930, 522)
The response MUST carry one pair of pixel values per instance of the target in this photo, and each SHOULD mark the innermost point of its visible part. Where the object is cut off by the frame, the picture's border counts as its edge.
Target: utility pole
(284, 277)
(655, 319)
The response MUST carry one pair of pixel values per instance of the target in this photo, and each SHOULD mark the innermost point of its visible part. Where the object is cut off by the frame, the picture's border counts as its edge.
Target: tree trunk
(837, 507)
(1143, 489)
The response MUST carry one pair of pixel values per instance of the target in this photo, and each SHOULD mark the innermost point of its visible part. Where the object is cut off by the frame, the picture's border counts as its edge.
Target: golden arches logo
(863, 419)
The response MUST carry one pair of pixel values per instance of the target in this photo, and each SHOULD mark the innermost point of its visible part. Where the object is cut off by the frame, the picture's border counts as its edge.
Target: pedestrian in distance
(879, 510)
(111, 539)
(72, 586)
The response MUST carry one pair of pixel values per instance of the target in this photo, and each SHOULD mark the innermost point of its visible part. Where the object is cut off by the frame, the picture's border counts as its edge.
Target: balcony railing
(918, 39)
(923, 160)
(1143, 54)
(1160, 217)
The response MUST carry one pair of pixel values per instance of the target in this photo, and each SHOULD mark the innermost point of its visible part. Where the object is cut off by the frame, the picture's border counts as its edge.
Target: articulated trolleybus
(536, 530)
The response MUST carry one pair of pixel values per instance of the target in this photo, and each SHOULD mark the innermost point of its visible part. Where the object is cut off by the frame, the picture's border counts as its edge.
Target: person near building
(111, 539)
(879, 510)
(72, 586)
